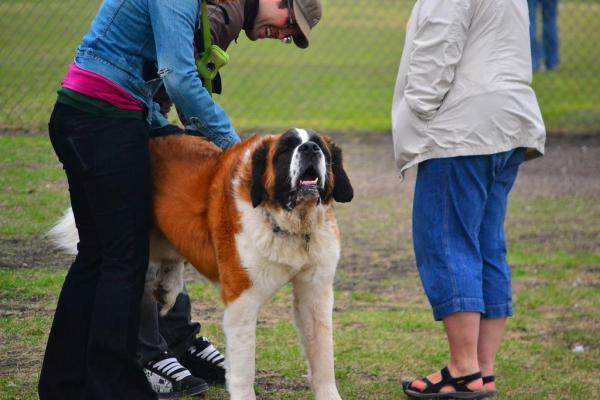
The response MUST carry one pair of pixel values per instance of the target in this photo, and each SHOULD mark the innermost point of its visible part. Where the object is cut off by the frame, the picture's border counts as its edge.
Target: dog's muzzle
(309, 178)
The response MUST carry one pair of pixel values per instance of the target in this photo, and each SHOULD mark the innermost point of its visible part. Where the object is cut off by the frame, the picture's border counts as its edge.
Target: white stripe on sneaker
(180, 375)
(215, 354)
(208, 353)
(172, 368)
(208, 350)
(212, 355)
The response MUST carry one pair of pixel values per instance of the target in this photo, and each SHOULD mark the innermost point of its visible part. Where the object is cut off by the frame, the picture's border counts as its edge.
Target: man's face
(273, 21)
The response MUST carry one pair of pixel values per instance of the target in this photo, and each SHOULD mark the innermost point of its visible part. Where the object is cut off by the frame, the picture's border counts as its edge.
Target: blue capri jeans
(458, 232)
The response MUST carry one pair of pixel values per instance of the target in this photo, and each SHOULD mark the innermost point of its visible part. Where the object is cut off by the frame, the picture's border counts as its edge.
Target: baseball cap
(307, 14)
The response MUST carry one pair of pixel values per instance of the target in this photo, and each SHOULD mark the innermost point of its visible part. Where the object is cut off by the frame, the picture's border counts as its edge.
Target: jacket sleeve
(442, 30)
(173, 26)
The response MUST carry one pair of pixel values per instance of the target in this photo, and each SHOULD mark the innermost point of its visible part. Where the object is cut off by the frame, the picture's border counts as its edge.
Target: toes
(418, 385)
(476, 385)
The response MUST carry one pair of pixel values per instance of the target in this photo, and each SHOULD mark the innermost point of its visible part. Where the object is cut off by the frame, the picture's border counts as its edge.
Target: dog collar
(278, 229)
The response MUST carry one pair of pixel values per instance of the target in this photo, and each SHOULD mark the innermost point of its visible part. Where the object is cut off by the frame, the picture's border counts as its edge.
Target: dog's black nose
(309, 147)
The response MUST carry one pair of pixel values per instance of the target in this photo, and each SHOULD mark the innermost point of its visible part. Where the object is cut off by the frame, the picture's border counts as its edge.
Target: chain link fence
(343, 82)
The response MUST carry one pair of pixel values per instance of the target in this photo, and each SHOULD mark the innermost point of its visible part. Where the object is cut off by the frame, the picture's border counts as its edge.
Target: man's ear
(258, 192)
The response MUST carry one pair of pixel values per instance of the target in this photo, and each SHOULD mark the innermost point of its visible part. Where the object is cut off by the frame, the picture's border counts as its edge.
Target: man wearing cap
(272, 19)
(285, 20)
(169, 347)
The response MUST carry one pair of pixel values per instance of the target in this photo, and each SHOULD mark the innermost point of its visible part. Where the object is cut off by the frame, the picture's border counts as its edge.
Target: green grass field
(383, 327)
(342, 83)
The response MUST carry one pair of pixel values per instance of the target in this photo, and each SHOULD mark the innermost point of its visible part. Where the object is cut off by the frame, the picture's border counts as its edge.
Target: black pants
(92, 344)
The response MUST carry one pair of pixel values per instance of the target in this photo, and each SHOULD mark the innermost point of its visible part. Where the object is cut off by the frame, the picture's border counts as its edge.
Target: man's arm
(173, 23)
(442, 30)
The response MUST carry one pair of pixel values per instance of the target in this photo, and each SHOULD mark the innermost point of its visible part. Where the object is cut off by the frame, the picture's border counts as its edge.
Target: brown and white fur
(253, 218)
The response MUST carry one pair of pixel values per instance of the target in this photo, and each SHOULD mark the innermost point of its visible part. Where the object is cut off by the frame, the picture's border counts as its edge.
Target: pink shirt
(94, 85)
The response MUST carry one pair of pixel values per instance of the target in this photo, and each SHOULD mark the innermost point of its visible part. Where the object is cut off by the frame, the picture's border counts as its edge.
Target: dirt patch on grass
(31, 252)
(270, 382)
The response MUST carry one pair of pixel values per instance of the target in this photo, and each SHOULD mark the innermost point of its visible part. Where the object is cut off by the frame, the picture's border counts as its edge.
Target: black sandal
(432, 390)
(490, 379)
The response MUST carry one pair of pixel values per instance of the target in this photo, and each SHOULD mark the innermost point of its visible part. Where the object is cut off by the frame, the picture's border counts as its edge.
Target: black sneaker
(171, 380)
(205, 361)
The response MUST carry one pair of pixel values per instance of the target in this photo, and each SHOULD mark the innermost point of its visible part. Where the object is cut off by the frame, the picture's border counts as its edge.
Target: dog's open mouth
(308, 185)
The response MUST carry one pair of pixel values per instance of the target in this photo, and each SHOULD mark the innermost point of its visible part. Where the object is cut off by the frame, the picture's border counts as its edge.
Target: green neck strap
(206, 40)
(213, 58)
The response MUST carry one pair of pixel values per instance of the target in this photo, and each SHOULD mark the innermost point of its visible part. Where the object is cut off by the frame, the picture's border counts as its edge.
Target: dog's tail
(64, 233)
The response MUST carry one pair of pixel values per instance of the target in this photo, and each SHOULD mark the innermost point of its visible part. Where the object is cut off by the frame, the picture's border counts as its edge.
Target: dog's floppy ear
(259, 166)
(342, 189)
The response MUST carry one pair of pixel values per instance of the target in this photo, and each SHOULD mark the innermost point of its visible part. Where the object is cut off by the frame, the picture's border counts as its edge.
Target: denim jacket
(126, 34)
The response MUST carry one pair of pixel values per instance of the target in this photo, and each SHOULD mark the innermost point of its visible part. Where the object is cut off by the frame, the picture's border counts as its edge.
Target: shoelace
(172, 368)
(209, 353)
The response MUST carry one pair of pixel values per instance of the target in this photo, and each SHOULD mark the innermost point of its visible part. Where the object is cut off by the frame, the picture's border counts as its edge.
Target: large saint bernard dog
(253, 218)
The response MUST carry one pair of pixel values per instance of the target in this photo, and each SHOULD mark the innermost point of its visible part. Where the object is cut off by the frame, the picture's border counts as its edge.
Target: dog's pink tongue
(309, 183)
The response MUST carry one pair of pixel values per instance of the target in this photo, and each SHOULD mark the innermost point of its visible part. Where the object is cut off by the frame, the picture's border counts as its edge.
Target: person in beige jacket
(465, 113)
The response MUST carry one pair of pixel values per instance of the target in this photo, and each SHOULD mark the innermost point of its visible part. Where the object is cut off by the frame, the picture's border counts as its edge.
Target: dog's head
(298, 167)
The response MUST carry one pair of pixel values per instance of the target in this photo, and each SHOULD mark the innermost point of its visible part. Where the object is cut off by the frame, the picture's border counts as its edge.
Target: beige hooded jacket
(463, 87)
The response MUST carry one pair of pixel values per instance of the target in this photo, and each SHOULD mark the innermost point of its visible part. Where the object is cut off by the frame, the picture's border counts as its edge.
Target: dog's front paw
(166, 298)
(242, 395)
(328, 393)
(168, 285)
